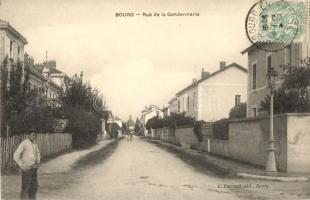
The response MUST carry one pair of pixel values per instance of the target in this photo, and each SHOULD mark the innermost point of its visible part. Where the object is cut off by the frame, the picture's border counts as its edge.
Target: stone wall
(248, 139)
(298, 143)
(186, 137)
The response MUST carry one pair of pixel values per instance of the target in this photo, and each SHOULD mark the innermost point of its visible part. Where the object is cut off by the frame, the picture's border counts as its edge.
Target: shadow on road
(195, 161)
(96, 157)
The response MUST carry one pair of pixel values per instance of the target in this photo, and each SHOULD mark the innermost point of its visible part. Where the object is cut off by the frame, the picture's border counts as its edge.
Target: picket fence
(49, 144)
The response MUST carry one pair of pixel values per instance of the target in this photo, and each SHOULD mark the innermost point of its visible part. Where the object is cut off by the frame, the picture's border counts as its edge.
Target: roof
(212, 75)
(54, 70)
(172, 100)
(6, 25)
(150, 108)
(130, 122)
(261, 45)
(116, 118)
(145, 112)
(248, 49)
(165, 108)
(37, 74)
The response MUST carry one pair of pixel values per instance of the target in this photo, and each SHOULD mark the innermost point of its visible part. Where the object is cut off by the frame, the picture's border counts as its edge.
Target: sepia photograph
(155, 99)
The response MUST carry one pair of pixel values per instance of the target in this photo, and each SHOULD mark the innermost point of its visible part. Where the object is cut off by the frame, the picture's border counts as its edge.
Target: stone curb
(232, 171)
(217, 166)
(274, 178)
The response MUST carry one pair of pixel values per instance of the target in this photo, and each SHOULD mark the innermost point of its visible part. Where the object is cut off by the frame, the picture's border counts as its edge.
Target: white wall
(216, 95)
(153, 114)
(190, 108)
(298, 143)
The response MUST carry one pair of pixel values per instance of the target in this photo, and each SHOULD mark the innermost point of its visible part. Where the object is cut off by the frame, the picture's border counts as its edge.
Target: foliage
(172, 121)
(125, 128)
(38, 119)
(197, 130)
(84, 121)
(238, 111)
(16, 98)
(84, 126)
(221, 129)
(138, 127)
(79, 93)
(294, 93)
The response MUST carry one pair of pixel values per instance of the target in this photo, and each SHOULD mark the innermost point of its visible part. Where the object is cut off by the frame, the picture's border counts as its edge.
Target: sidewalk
(59, 166)
(233, 167)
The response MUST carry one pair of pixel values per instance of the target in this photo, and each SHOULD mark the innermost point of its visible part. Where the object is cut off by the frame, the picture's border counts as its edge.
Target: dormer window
(11, 48)
(18, 52)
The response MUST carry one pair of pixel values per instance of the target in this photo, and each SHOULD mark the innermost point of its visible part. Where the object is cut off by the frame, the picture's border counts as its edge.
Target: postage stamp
(272, 25)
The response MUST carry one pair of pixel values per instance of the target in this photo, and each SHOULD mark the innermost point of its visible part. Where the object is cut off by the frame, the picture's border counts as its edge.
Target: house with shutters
(259, 62)
(212, 96)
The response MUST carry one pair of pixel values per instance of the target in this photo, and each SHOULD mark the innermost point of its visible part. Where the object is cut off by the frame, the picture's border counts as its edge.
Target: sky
(134, 61)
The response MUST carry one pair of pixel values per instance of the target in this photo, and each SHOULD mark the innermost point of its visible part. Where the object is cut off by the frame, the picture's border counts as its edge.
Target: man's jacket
(27, 155)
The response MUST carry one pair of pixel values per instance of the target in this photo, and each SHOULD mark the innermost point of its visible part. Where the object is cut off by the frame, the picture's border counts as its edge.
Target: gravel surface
(141, 170)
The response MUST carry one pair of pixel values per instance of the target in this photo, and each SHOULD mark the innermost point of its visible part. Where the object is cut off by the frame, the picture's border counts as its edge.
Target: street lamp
(271, 167)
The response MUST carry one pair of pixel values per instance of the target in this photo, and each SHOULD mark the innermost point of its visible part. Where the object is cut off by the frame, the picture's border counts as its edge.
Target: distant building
(212, 96)
(42, 85)
(259, 61)
(49, 69)
(148, 113)
(166, 111)
(130, 124)
(173, 105)
(11, 44)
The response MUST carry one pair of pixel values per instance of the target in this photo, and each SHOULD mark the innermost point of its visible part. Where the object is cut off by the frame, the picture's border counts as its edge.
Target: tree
(77, 107)
(15, 96)
(172, 121)
(238, 111)
(138, 127)
(294, 93)
(125, 128)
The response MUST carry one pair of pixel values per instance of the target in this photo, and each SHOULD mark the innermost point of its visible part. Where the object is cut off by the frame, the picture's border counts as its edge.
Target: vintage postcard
(155, 99)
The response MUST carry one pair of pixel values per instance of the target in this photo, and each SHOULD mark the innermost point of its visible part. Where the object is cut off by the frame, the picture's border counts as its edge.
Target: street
(141, 170)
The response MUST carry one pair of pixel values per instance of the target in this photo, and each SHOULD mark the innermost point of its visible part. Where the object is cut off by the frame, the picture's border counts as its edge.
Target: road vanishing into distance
(138, 169)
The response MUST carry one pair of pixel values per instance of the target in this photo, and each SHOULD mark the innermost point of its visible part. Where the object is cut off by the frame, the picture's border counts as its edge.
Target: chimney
(50, 64)
(204, 74)
(222, 64)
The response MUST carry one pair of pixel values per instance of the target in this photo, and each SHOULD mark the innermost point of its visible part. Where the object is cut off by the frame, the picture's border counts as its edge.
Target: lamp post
(271, 160)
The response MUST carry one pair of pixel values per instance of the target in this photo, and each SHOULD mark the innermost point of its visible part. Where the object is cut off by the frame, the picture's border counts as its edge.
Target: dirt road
(140, 170)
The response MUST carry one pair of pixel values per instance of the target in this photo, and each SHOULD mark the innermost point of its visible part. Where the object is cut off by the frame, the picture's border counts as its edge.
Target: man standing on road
(27, 156)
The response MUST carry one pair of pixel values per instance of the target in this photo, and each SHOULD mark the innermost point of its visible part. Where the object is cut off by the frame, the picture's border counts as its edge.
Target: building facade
(166, 111)
(11, 43)
(173, 105)
(148, 113)
(131, 124)
(259, 61)
(212, 97)
(42, 85)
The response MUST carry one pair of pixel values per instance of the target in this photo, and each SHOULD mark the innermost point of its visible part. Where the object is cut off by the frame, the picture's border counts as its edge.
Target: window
(187, 102)
(254, 76)
(254, 112)
(194, 98)
(35, 89)
(179, 105)
(237, 99)
(268, 63)
(18, 51)
(289, 54)
(11, 48)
